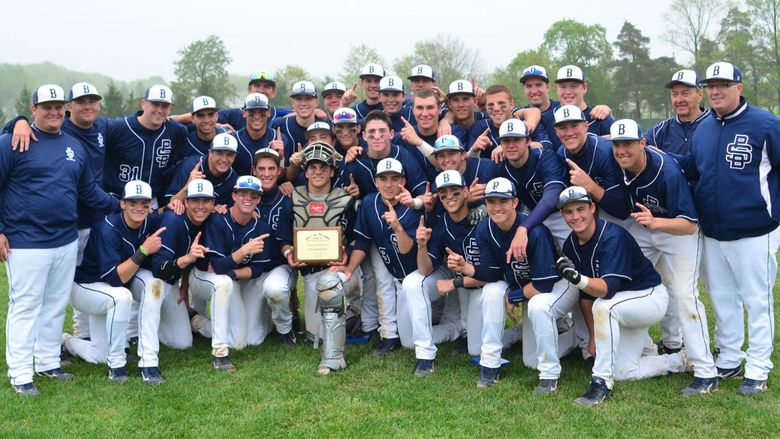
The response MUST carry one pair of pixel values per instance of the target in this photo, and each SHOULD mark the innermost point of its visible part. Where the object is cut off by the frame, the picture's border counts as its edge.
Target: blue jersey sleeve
(542, 256)
(488, 268)
(92, 195)
(218, 238)
(109, 251)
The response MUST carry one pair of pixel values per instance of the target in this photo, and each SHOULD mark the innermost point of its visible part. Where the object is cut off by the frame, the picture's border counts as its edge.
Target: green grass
(277, 393)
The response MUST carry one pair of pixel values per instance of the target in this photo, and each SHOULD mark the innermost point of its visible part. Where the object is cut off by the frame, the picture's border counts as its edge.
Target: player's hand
(455, 262)
(344, 259)
(445, 286)
(153, 242)
(592, 347)
(5, 248)
(352, 188)
(405, 198)
(423, 233)
(22, 136)
(320, 115)
(483, 142)
(177, 206)
(196, 173)
(497, 155)
(278, 144)
(644, 217)
(476, 191)
(578, 177)
(440, 93)
(353, 153)
(565, 267)
(291, 261)
(479, 92)
(444, 126)
(390, 217)
(197, 251)
(477, 214)
(409, 135)
(350, 96)
(510, 309)
(220, 209)
(296, 159)
(517, 249)
(227, 127)
(342, 269)
(600, 112)
(253, 246)
(427, 198)
(286, 189)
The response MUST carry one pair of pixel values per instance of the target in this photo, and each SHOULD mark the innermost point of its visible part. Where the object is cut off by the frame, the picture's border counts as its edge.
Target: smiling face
(135, 211)
(256, 119)
(84, 110)
(392, 101)
(573, 135)
(205, 122)
(629, 154)
(453, 198)
(346, 133)
(198, 209)
(461, 105)
(501, 210)
(537, 91)
(220, 161)
(686, 101)
(724, 96)
(571, 92)
(246, 200)
(332, 100)
(319, 175)
(268, 172)
(499, 107)
(450, 160)
(370, 86)
(389, 185)
(48, 116)
(581, 217)
(426, 113)
(304, 106)
(155, 113)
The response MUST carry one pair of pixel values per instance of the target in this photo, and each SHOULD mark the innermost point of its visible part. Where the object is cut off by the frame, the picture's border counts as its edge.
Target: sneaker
(288, 339)
(488, 376)
(117, 374)
(700, 386)
(461, 346)
(222, 364)
(57, 374)
(385, 346)
(663, 349)
(727, 374)
(596, 393)
(752, 387)
(151, 375)
(28, 389)
(546, 387)
(423, 368)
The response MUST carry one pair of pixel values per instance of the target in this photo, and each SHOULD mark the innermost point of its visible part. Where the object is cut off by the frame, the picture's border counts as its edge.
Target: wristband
(142, 250)
(583, 283)
(138, 257)
(286, 253)
(457, 281)
(425, 149)
(418, 204)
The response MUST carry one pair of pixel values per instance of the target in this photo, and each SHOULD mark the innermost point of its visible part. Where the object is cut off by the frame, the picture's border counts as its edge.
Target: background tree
(202, 70)
(738, 47)
(510, 75)
(632, 72)
(658, 103)
(690, 23)
(766, 20)
(357, 57)
(133, 104)
(23, 101)
(113, 103)
(449, 57)
(285, 78)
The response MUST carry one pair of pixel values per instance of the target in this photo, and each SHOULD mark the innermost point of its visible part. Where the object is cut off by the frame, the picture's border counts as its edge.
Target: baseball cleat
(700, 386)
(385, 346)
(546, 387)
(222, 364)
(752, 387)
(57, 374)
(297, 328)
(117, 374)
(596, 393)
(727, 374)
(488, 376)
(461, 346)
(151, 375)
(288, 339)
(28, 389)
(663, 349)
(423, 368)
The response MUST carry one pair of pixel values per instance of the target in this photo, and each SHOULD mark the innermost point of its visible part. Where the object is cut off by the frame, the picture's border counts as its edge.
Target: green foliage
(359, 56)
(766, 31)
(690, 25)
(632, 73)
(449, 57)
(285, 78)
(113, 103)
(202, 70)
(23, 101)
(510, 76)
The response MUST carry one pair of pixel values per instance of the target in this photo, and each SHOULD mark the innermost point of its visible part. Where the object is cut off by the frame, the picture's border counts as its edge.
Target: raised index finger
(406, 122)
(197, 165)
(263, 236)
(160, 230)
(197, 238)
(571, 164)
(642, 207)
(422, 221)
(279, 133)
(449, 251)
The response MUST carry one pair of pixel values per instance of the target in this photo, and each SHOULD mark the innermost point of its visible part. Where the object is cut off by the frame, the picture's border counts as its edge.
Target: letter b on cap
(162, 93)
(388, 164)
(200, 187)
(621, 128)
(446, 178)
(716, 70)
(86, 89)
(510, 127)
(226, 141)
(460, 86)
(568, 73)
(138, 188)
(565, 112)
(53, 93)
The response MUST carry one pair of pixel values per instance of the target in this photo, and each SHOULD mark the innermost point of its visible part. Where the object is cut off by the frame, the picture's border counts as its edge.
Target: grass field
(277, 393)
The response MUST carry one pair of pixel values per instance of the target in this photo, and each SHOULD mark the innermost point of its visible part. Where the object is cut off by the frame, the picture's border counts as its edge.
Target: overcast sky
(138, 39)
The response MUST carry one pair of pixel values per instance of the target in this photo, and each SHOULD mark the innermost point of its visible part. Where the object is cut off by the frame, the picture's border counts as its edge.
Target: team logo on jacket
(69, 154)
(653, 204)
(163, 153)
(100, 140)
(739, 153)
(472, 251)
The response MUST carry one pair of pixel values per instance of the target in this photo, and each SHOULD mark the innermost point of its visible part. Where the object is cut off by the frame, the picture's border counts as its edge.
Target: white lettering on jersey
(739, 153)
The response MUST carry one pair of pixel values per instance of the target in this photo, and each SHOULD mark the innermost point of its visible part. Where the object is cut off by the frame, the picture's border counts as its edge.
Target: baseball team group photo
(583, 243)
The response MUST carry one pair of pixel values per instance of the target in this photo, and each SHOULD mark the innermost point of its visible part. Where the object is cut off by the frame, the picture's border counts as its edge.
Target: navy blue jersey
(176, 241)
(112, 242)
(371, 229)
(735, 161)
(397, 124)
(539, 135)
(538, 268)
(293, 131)
(223, 235)
(597, 160)
(673, 135)
(363, 168)
(223, 184)
(274, 208)
(613, 255)
(248, 146)
(548, 122)
(597, 127)
(234, 118)
(459, 237)
(661, 187)
(137, 153)
(363, 108)
(538, 183)
(195, 146)
(41, 188)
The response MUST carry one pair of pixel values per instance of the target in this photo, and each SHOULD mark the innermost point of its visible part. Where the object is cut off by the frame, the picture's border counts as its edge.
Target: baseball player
(421, 76)
(346, 128)
(218, 169)
(571, 88)
(370, 75)
(117, 250)
(393, 99)
(391, 227)
(432, 281)
(257, 135)
(204, 118)
(317, 132)
(304, 102)
(39, 191)
(621, 296)
(733, 157)
(449, 154)
(674, 134)
(331, 97)
(665, 228)
(163, 314)
(461, 103)
(237, 259)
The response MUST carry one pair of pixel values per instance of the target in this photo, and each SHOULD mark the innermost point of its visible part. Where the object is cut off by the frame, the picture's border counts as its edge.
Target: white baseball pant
(620, 328)
(385, 295)
(160, 318)
(227, 309)
(39, 283)
(677, 259)
(486, 322)
(267, 303)
(740, 275)
(81, 322)
(108, 311)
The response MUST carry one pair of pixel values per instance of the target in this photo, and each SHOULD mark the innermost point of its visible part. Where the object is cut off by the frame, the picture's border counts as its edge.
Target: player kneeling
(237, 262)
(115, 261)
(621, 296)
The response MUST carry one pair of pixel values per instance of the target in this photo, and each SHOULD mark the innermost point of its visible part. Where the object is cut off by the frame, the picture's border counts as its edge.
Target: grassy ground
(277, 393)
